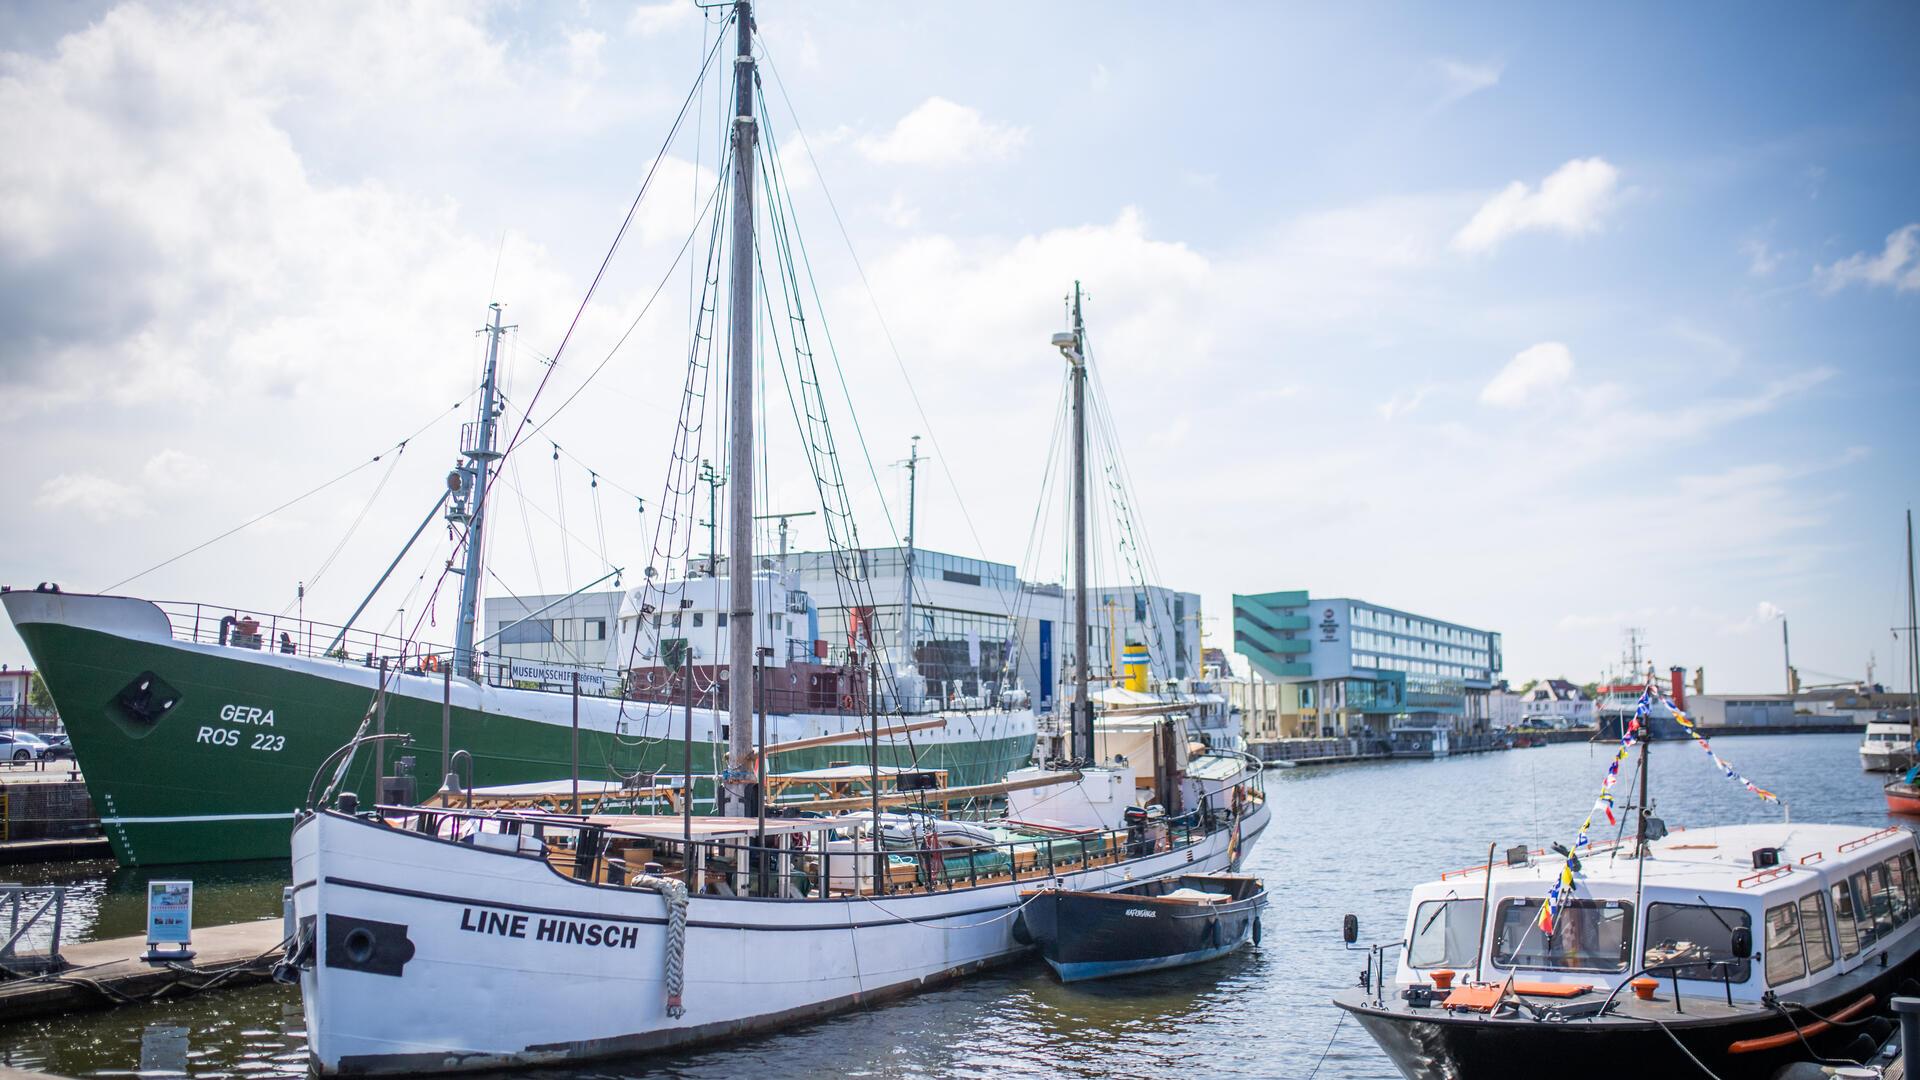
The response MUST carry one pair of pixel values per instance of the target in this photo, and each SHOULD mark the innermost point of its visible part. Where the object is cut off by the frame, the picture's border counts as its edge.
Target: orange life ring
(846, 701)
(430, 663)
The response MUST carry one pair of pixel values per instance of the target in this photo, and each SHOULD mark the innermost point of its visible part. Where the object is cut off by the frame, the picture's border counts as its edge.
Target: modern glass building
(1350, 667)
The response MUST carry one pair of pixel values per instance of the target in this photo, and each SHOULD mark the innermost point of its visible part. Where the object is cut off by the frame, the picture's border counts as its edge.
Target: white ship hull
(1885, 758)
(471, 976)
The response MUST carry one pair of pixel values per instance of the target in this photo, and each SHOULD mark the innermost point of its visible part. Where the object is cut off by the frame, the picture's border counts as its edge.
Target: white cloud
(90, 495)
(583, 53)
(942, 132)
(900, 212)
(1897, 265)
(164, 238)
(1402, 404)
(1532, 370)
(1572, 200)
(175, 470)
(1767, 611)
(648, 20)
(1761, 258)
(1460, 79)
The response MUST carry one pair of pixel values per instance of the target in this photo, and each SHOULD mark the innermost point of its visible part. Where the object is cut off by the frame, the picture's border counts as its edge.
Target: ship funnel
(1136, 663)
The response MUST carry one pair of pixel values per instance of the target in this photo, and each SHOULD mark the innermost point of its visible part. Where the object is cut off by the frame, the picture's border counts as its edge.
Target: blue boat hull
(1097, 935)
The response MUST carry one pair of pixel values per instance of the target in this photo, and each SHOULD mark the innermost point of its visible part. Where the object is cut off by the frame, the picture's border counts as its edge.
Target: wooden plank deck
(102, 974)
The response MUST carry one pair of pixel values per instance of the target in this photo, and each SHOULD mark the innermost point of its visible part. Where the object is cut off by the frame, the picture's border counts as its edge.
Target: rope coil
(674, 892)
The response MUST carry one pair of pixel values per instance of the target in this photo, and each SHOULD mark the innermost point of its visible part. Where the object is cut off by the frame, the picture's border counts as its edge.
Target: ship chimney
(1679, 676)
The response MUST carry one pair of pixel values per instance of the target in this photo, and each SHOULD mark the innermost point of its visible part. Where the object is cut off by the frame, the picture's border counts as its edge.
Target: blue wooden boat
(1145, 926)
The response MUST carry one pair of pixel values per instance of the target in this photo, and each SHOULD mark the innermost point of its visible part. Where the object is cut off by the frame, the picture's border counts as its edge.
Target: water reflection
(106, 900)
(1345, 839)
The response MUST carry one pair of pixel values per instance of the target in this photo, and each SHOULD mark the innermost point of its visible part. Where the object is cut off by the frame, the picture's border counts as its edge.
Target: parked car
(22, 746)
(58, 745)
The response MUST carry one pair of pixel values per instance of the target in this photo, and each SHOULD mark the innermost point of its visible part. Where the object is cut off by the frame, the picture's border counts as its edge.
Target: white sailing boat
(436, 939)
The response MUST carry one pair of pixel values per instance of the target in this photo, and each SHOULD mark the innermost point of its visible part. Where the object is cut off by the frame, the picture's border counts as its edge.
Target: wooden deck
(102, 974)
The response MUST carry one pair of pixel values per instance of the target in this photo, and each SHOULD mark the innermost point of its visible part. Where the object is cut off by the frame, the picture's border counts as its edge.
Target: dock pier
(103, 974)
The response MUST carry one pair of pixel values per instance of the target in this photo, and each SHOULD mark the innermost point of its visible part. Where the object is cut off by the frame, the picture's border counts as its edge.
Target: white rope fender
(674, 892)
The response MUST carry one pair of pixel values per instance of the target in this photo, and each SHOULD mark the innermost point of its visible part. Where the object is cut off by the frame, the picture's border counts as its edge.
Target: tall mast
(1074, 346)
(906, 592)
(742, 625)
(1913, 642)
(470, 498)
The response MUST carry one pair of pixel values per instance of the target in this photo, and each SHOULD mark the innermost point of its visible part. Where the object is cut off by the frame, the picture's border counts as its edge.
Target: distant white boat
(1887, 747)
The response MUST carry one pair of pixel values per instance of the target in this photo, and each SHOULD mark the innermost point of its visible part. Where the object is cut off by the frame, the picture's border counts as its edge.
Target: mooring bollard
(1908, 1009)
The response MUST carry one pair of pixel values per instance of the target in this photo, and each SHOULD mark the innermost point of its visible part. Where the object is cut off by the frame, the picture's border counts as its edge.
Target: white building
(1503, 707)
(976, 625)
(1556, 703)
(1166, 621)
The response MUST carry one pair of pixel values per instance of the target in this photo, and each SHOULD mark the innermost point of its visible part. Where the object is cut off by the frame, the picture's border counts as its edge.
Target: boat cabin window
(1588, 935)
(1446, 933)
(1870, 913)
(1813, 931)
(1843, 920)
(1697, 939)
(1786, 961)
(1900, 886)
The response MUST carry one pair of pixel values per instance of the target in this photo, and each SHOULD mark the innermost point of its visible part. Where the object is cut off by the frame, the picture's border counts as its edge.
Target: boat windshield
(1696, 940)
(1588, 935)
(1446, 933)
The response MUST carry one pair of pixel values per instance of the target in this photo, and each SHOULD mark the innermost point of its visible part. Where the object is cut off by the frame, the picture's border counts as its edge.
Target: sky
(1549, 321)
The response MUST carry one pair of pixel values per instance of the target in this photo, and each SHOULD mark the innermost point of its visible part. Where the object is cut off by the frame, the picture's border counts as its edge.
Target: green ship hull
(197, 752)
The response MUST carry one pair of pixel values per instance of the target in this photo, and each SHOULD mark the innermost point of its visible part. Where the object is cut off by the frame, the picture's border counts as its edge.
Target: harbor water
(1345, 839)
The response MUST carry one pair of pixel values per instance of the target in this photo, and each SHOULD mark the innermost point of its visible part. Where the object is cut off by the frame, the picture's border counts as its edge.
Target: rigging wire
(633, 325)
(526, 523)
(887, 331)
(308, 494)
(326, 564)
(620, 234)
(560, 510)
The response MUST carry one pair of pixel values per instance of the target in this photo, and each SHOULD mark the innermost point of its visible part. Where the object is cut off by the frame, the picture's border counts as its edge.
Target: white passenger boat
(1816, 939)
(1725, 952)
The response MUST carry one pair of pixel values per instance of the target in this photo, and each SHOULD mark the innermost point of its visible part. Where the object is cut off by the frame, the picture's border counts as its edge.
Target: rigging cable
(619, 235)
(560, 510)
(886, 330)
(327, 563)
(309, 493)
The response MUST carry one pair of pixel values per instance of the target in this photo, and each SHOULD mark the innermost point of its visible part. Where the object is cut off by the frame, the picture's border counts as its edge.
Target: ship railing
(239, 628)
(737, 866)
(34, 917)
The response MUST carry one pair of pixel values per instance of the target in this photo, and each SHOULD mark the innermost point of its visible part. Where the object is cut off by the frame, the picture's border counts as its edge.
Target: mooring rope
(674, 892)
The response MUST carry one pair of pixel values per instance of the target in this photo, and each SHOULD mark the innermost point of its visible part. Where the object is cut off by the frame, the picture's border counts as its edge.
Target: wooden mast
(743, 626)
(1913, 647)
(1082, 743)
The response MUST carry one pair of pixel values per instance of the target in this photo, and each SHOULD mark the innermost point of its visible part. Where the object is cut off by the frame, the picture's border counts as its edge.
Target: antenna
(782, 519)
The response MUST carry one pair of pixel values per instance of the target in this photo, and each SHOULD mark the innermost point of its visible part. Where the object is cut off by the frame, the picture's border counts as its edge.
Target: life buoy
(846, 701)
(430, 663)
